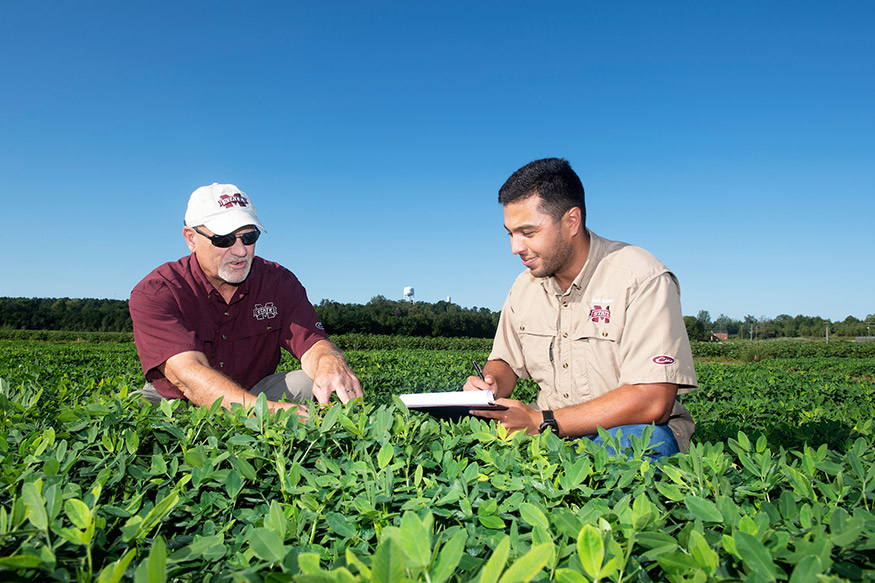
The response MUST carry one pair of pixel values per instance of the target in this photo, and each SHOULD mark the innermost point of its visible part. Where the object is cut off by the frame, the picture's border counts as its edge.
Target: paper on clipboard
(451, 404)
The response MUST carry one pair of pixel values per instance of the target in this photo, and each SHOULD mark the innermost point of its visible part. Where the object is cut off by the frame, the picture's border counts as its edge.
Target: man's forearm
(202, 385)
(626, 405)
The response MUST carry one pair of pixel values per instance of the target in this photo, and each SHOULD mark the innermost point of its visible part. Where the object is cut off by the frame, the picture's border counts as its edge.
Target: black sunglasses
(248, 238)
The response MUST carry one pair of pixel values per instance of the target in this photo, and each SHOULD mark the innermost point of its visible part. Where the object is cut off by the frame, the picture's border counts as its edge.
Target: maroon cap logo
(663, 359)
(599, 313)
(227, 200)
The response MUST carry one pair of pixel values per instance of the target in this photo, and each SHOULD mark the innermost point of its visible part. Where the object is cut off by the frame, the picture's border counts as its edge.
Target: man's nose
(516, 245)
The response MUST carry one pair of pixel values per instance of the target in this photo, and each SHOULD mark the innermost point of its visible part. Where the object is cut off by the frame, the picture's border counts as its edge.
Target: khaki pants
(294, 385)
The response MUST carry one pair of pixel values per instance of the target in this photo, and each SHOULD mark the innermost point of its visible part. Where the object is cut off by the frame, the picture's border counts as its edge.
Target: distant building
(719, 336)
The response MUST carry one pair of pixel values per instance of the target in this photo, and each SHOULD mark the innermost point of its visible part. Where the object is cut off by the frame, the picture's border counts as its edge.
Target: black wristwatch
(548, 423)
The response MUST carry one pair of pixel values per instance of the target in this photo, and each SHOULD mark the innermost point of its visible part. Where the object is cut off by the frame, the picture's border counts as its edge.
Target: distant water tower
(408, 293)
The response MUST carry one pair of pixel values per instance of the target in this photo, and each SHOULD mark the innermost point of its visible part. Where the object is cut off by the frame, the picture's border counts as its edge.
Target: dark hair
(553, 180)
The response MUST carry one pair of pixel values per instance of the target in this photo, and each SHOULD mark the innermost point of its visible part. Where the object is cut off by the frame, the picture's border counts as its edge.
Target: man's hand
(517, 417)
(326, 365)
(487, 383)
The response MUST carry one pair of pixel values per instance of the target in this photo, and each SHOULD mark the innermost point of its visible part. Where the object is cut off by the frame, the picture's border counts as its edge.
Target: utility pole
(827, 333)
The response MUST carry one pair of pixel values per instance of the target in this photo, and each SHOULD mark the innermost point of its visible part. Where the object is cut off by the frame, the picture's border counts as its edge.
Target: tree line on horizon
(384, 316)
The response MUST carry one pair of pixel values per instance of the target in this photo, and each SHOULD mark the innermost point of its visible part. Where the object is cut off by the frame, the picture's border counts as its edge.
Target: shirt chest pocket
(597, 345)
(538, 345)
(252, 331)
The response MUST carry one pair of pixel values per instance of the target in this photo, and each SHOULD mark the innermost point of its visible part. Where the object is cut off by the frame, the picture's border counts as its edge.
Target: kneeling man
(595, 323)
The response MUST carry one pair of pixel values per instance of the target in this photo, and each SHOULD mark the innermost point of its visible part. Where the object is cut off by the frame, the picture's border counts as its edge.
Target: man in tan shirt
(595, 323)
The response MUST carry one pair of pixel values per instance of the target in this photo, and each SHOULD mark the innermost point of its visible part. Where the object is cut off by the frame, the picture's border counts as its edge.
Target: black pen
(478, 369)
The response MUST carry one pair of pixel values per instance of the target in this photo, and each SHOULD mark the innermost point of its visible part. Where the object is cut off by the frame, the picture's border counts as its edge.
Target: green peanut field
(96, 485)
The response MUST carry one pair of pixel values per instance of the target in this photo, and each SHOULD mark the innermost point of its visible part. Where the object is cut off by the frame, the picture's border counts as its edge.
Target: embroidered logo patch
(663, 359)
(598, 313)
(320, 326)
(267, 310)
(227, 201)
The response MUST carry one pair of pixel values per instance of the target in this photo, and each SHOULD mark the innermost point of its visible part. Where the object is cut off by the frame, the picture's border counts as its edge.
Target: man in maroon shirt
(211, 324)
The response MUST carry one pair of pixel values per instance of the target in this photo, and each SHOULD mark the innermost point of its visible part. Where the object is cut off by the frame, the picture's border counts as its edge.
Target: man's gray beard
(230, 275)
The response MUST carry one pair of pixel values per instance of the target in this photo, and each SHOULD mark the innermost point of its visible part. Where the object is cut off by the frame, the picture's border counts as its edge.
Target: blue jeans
(663, 442)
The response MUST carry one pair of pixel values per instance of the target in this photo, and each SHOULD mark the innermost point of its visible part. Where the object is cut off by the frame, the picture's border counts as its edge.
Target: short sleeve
(160, 330)
(654, 347)
(507, 346)
(303, 328)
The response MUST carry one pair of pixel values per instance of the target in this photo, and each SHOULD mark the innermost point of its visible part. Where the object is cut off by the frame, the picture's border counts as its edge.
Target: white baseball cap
(222, 208)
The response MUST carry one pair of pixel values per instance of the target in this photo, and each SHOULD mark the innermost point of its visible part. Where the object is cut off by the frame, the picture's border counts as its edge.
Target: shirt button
(565, 395)
(565, 334)
(224, 337)
(226, 313)
(270, 327)
(522, 327)
(221, 364)
(604, 333)
(564, 304)
(565, 365)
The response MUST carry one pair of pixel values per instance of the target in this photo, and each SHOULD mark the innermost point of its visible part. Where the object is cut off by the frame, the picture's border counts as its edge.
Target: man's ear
(571, 220)
(189, 235)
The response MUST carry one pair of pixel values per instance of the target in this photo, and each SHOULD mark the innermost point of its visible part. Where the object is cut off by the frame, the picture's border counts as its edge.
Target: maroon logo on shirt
(599, 313)
(663, 359)
(227, 201)
(267, 310)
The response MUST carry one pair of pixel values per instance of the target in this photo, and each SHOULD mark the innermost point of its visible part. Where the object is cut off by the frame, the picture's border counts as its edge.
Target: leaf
(706, 557)
(157, 561)
(388, 563)
(415, 540)
(233, 484)
(676, 563)
(329, 419)
(245, 468)
(533, 516)
(569, 576)
(527, 566)
(491, 521)
(36, 506)
(493, 567)
(20, 562)
(488, 507)
(114, 572)
(385, 455)
(807, 570)
(339, 525)
(267, 545)
(590, 550)
(448, 558)
(755, 554)
(194, 457)
(276, 519)
(704, 509)
(78, 512)
(642, 512)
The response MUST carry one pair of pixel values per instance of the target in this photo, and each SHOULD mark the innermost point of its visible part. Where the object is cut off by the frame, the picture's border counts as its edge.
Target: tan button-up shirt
(619, 323)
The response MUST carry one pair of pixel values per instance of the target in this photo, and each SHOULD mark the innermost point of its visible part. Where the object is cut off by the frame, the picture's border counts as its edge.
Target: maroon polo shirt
(175, 309)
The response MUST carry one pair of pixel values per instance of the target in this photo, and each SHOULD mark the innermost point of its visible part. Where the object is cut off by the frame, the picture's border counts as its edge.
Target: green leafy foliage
(96, 485)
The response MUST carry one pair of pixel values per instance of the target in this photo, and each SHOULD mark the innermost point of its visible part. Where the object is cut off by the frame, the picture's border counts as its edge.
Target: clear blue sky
(734, 140)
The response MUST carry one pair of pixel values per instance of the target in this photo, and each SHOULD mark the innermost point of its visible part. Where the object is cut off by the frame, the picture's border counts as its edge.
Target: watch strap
(549, 422)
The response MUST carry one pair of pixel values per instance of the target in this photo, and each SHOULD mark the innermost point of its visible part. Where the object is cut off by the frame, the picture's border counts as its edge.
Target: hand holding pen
(480, 382)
